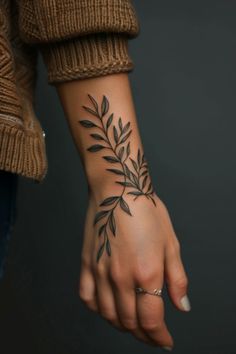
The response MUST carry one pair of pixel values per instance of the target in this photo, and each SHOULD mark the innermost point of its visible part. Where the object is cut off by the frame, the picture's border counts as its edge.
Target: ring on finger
(155, 292)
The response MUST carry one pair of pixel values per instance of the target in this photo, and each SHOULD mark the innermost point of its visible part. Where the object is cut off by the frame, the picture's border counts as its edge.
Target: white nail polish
(185, 303)
(167, 348)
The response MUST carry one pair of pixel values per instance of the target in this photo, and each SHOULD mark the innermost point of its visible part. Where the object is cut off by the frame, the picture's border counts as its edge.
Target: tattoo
(134, 172)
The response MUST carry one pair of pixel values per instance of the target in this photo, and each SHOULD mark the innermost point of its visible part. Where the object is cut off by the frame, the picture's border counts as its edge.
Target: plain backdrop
(184, 92)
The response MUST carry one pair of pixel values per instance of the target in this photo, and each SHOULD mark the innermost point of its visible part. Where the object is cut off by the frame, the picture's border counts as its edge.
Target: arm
(137, 245)
(128, 236)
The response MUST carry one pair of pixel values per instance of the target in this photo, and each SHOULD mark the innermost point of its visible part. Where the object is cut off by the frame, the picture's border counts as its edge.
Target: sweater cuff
(87, 56)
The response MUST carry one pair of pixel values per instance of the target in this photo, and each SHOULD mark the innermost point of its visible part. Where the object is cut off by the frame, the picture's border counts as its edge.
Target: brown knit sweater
(77, 39)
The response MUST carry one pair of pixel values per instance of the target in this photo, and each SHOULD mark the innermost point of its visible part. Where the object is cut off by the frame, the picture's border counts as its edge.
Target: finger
(87, 289)
(106, 302)
(176, 279)
(150, 310)
(125, 301)
(175, 276)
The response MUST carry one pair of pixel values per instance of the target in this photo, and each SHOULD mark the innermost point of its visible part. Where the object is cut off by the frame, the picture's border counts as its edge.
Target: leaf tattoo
(134, 171)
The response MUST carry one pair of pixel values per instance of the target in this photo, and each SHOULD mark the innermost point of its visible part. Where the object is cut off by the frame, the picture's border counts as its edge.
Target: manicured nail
(185, 303)
(169, 349)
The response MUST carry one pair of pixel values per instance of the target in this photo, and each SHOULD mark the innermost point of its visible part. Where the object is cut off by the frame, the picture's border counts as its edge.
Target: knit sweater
(77, 39)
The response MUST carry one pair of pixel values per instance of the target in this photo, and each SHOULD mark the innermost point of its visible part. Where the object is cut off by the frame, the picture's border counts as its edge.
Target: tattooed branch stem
(135, 173)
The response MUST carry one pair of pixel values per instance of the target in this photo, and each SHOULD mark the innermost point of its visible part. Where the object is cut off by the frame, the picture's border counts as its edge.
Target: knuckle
(177, 245)
(148, 276)
(116, 276)
(150, 326)
(99, 270)
(174, 247)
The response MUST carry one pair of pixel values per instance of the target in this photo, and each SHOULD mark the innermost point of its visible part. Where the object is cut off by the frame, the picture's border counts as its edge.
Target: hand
(144, 252)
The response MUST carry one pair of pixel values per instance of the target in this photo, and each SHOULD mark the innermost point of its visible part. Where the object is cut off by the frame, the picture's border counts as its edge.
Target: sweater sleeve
(80, 38)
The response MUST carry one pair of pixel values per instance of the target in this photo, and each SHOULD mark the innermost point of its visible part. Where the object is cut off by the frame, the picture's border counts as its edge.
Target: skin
(145, 251)
(115, 141)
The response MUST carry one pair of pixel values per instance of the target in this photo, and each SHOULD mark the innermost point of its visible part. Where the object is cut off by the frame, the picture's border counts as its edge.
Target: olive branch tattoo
(135, 173)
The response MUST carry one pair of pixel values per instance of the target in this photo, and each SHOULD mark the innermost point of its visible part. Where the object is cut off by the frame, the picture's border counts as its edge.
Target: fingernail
(169, 349)
(185, 303)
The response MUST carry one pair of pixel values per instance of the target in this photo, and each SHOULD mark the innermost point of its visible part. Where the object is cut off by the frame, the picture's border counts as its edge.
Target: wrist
(101, 182)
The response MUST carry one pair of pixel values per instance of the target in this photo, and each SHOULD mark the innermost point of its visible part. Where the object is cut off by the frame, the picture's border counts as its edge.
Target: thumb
(176, 279)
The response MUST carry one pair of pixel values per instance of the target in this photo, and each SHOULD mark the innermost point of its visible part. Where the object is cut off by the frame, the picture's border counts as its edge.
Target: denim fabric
(8, 191)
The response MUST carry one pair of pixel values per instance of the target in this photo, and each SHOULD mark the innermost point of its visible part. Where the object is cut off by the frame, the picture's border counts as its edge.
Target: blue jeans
(8, 191)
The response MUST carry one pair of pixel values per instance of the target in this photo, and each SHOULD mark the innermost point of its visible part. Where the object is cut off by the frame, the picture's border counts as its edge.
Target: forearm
(109, 138)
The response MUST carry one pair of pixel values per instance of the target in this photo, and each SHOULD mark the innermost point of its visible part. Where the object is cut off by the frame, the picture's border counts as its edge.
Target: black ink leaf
(109, 121)
(128, 149)
(115, 133)
(126, 127)
(120, 124)
(134, 178)
(124, 206)
(131, 176)
(100, 215)
(153, 201)
(135, 193)
(118, 172)
(97, 136)
(87, 123)
(127, 171)
(139, 157)
(95, 148)
(149, 187)
(93, 102)
(121, 152)
(90, 111)
(100, 251)
(126, 184)
(144, 181)
(101, 229)
(109, 200)
(111, 159)
(112, 223)
(108, 247)
(144, 173)
(125, 137)
(134, 164)
(105, 105)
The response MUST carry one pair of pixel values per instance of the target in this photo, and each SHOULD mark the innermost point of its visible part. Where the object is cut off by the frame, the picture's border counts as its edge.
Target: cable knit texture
(22, 147)
(50, 20)
(77, 39)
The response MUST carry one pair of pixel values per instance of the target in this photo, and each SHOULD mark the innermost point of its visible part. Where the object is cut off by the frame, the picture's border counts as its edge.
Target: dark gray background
(184, 90)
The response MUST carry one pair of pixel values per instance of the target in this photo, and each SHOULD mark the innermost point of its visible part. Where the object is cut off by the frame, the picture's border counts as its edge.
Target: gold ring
(155, 292)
